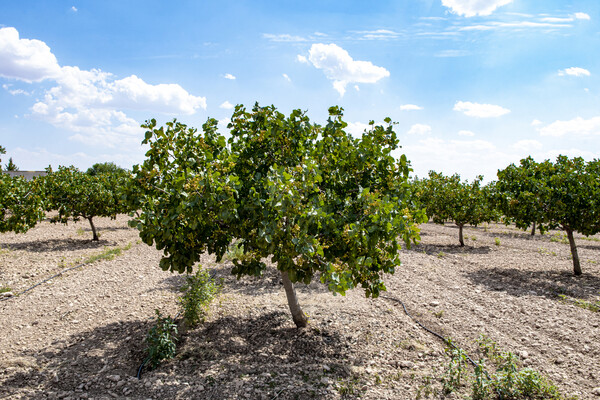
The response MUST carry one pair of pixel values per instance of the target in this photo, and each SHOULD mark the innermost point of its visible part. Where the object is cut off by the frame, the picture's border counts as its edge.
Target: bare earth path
(81, 335)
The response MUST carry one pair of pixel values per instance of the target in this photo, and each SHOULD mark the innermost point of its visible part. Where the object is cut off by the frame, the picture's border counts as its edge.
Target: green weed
(586, 305)
(161, 340)
(497, 241)
(559, 237)
(107, 254)
(509, 380)
(199, 290)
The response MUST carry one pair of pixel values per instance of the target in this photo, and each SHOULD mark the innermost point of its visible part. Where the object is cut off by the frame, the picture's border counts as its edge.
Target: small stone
(7, 294)
(434, 303)
(524, 355)
(596, 391)
(326, 367)
(559, 361)
(114, 378)
(405, 364)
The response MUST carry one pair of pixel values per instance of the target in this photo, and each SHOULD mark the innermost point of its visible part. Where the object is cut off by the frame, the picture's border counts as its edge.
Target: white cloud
(74, 9)
(357, 88)
(37, 159)
(465, 157)
(89, 103)
(513, 25)
(283, 37)
(574, 71)
(536, 122)
(576, 127)
(410, 107)
(557, 19)
(133, 93)
(357, 128)
(226, 105)
(582, 15)
(342, 69)
(471, 8)
(452, 53)
(229, 76)
(24, 59)
(378, 34)
(480, 110)
(14, 92)
(527, 145)
(419, 129)
(465, 133)
(286, 77)
(302, 59)
(222, 124)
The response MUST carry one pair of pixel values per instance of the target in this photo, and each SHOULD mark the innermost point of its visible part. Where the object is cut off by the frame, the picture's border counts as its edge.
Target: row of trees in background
(70, 193)
(564, 194)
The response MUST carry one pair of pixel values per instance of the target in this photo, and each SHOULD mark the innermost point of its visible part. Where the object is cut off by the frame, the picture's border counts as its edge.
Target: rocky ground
(81, 334)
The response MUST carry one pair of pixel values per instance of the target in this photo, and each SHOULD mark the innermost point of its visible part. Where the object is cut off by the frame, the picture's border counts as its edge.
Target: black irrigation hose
(44, 281)
(448, 342)
(139, 374)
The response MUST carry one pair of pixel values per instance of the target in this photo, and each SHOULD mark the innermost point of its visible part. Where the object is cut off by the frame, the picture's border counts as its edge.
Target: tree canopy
(448, 198)
(564, 194)
(311, 198)
(21, 204)
(75, 194)
(106, 168)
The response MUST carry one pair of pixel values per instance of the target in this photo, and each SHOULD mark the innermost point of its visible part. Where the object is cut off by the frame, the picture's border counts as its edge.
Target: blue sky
(473, 84)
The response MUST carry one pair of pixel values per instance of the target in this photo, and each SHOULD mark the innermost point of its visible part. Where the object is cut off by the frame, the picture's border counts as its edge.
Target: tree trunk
(297, 314)
(460, 235)
(576, 265)
(93, 229)
(533, 230)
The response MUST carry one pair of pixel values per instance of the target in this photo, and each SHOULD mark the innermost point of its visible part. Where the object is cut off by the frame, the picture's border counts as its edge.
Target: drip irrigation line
(445, 340)
(44, 281)
(139, 374)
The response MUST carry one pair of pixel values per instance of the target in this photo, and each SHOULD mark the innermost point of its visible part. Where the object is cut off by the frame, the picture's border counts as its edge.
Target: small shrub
(456, 372)
(161, 340)
(5, 289)
(497, 241)
(509, 381)
(199, 290)
(482, 385)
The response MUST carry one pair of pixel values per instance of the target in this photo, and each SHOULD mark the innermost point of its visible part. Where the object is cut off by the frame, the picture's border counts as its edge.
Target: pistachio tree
(518, 197)
(570, 198)
(21, 205)
(75, 194)
(448, 198)
(311, 199)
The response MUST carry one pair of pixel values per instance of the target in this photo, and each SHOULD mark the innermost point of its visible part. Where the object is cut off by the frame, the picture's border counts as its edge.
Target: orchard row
(312, 198)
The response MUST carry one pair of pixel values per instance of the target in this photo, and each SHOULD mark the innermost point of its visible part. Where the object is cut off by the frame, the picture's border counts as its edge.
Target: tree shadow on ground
(57, 245)
(221, 359)
(549, 284)
(267, 351)
(173, 283)
(435, 249)
(269, 282)
(79, 363)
